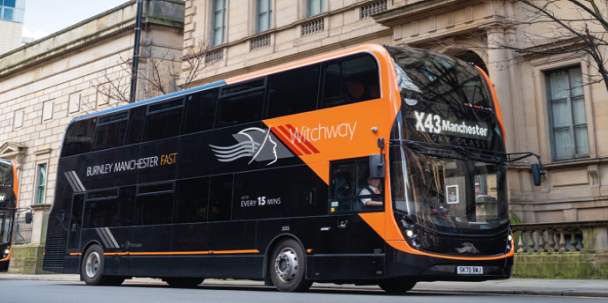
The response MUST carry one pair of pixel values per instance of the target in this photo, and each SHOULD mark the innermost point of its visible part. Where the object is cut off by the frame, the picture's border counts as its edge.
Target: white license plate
(469, 270)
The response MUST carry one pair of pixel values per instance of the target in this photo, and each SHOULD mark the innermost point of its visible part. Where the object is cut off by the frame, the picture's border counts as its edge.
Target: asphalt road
(77, 292)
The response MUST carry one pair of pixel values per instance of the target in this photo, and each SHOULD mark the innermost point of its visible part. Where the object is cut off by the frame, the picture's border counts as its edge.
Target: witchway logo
(257, 143)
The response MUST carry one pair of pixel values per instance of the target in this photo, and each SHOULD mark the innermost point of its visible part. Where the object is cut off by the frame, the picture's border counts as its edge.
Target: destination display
(450, 125)
(430, 123)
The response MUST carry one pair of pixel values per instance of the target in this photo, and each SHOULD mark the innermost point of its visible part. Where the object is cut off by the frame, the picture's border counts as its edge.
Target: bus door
(75, 223)
(349, 245)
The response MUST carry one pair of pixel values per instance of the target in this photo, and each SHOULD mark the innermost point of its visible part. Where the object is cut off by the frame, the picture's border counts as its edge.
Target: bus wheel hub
(92, 264)
(286, 265)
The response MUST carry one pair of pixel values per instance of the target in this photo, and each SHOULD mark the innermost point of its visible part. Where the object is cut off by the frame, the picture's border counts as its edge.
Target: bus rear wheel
(91, 271)
(396, 286)
(183, 282)
(288, 267)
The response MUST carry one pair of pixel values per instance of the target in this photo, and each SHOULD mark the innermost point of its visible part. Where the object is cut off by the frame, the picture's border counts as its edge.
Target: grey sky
(43, 17)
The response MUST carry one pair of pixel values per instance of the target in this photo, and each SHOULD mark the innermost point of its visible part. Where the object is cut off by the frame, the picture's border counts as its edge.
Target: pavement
(566, 288)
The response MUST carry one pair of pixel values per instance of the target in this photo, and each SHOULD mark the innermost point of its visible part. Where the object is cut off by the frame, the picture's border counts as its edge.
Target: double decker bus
(8, 208)
(369, 165)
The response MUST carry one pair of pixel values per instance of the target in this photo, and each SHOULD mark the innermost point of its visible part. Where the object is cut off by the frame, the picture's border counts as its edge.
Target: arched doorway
(471, 56)
(466, 49)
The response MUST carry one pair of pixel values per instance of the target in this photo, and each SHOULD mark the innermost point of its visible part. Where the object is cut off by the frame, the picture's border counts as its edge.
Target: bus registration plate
(469, 270)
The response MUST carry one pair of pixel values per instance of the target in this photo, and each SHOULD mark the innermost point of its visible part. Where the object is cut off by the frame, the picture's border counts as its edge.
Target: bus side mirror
(376, 166)
(536, 173)
(28, 217)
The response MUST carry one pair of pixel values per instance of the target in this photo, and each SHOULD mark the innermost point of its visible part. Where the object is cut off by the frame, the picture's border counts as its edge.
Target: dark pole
(135, 67)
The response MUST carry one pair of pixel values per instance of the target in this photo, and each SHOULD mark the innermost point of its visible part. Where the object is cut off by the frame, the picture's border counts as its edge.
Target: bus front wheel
(288, 267)
(396, 286)
(92, 268)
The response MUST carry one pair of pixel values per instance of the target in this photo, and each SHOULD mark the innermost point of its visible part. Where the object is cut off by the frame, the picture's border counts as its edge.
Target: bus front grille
(54, 253)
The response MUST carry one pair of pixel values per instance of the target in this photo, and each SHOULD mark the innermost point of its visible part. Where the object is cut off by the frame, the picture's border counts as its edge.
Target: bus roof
(372, 48)
(307, 61)
(155, 99)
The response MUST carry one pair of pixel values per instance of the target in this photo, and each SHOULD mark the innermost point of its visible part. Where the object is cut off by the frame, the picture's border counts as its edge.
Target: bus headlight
(409, 233)
(6, 251)
(510, 238)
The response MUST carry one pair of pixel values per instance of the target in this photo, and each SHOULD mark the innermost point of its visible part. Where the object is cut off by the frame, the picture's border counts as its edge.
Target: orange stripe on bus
(306, 142)
(177, 253)
(206, 252)
(286, 134)
(289, 145)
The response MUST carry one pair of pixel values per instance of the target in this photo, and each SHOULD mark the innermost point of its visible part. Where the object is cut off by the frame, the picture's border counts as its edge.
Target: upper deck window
(350, 80)
(200, 111)
(78, 137)
(111, 130)
(292, 92)
(241, 103)
(163, 120)
(427, 76)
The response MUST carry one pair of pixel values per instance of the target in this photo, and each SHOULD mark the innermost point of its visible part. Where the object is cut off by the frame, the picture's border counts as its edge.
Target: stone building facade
(45, 84)
(248, 35)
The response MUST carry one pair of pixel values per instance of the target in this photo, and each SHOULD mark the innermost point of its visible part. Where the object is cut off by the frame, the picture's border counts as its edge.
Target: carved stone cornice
(495, 26)
(418, 10)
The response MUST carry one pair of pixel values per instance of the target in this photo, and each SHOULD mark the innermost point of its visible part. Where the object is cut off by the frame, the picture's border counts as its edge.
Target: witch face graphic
(257, 143)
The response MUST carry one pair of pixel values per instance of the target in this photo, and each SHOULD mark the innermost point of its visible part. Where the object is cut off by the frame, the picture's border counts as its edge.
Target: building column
(498, 68)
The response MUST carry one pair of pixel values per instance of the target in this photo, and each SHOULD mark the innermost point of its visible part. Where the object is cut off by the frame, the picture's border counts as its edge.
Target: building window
(74, 103)
(12, 10)
(41, 183)
(264, 15)
(219, 21)
(315, 7)
(18, 120)
(567, 113)
(47, 111)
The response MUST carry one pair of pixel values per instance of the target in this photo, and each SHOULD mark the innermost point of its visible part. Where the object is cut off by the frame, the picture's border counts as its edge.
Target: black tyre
(183, 282)
(91, 271)
(288, 267)
(396, 286)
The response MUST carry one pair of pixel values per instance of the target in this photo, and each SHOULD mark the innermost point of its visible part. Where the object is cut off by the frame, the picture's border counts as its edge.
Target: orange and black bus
(369, 165)
(8, 208)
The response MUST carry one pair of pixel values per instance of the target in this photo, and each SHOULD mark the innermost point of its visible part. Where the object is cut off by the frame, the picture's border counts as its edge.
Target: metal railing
(22, 230)
(560, 237)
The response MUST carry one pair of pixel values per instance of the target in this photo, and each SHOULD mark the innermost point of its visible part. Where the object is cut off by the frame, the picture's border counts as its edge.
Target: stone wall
(47, 83)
